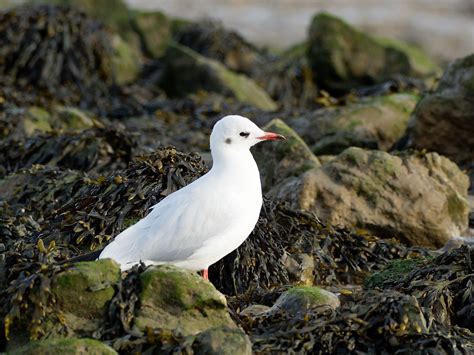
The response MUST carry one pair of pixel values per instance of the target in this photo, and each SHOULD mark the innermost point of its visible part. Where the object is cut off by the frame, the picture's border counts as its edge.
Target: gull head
(238, 133)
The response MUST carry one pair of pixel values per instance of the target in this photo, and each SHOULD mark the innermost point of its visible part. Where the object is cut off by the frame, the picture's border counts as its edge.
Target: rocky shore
(364, 243)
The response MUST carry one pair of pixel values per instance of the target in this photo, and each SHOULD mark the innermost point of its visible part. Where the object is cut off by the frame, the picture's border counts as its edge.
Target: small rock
(300, 299)
(254, 310)
(277, 161)
(222, 340)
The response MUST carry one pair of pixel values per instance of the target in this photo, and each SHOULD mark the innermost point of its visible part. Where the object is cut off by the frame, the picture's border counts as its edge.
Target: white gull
(201, 223)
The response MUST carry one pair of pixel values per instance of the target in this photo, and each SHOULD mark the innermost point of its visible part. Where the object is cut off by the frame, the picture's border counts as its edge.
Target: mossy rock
(126, 60)
(154, 30)
(187, 72)
(64, 346)
(373, 123)
(84, 291)
(300, 299)
(394, 272)
(222, 340)
(343, 57)
(173, 298)
(385, 194)
(282, 159)
(36, 119)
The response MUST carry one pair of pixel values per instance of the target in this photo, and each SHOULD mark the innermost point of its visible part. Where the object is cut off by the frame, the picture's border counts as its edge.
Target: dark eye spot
(228, 140)
(244, 134)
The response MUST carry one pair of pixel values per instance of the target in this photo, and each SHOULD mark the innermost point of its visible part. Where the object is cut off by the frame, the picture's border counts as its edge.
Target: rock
(443, 121)
(36, 119)
(343, 58)
(214, 41)
(126, 61)
(154, 30)
(64, 346)
(419, 199)
(393, 273)
(300, 299)
(254, 310)
(72, 118)
(173, 298)
(374, 123)
(83, 292)
(186, 72)
(277, 161)
(222, 340)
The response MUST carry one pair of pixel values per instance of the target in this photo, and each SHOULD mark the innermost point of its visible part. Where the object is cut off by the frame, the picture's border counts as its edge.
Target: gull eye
(244, 134)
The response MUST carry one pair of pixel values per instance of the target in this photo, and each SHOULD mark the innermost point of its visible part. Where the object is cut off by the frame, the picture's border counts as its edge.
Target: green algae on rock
(386, 195)
(343, 58)
(173, 298)
(186, 71)
(222, 340)
(394, 272)
(75, 346)
(373, 122)
(279, 161)
(154, 31)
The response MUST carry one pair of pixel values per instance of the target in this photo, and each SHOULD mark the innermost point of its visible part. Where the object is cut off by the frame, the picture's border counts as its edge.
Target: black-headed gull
(201, 223)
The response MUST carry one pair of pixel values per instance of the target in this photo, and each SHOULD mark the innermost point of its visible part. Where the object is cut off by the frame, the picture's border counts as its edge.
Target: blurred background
(444, 28)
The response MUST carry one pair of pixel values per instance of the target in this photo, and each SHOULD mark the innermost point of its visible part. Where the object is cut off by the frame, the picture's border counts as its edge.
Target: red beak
(270, 136)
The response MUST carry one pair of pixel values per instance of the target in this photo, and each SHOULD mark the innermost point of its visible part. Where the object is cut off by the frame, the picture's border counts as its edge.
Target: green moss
(394, 272)
(64, 346)
(311, 292)
(86, 288)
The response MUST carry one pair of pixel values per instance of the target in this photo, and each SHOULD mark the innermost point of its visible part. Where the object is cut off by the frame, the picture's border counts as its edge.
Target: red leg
(205, 274)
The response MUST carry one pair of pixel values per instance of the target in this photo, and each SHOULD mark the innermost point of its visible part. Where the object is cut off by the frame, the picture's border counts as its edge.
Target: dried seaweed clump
(339, 256)
(212, 40)
(57, 50)
(445, 289)
(368, 322)
(97, 151)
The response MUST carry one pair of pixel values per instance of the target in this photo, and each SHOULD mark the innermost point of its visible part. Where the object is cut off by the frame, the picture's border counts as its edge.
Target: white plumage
(199, 224)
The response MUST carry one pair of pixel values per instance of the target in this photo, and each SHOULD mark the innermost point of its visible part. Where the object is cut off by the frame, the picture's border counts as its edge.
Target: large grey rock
(444, 120)
(186, 71)
(282, 159)
(173, 298)
(343, 57)
(375, 123)
(420, 199)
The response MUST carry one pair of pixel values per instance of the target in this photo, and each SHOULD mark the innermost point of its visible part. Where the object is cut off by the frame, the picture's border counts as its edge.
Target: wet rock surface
(352, 250)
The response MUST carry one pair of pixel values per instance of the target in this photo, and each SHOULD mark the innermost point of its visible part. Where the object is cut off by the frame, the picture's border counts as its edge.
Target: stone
(173, 298)
(222, 340)
(374, 123)
(443, 120)
(36, 119)
(419, 199)
(72, 118)
(154, 30)
(83, 293)
(254, 310)
(277, 161)
(126, 60)
(343, 57)
(300, 299)
(64, 346)
(186, 71)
